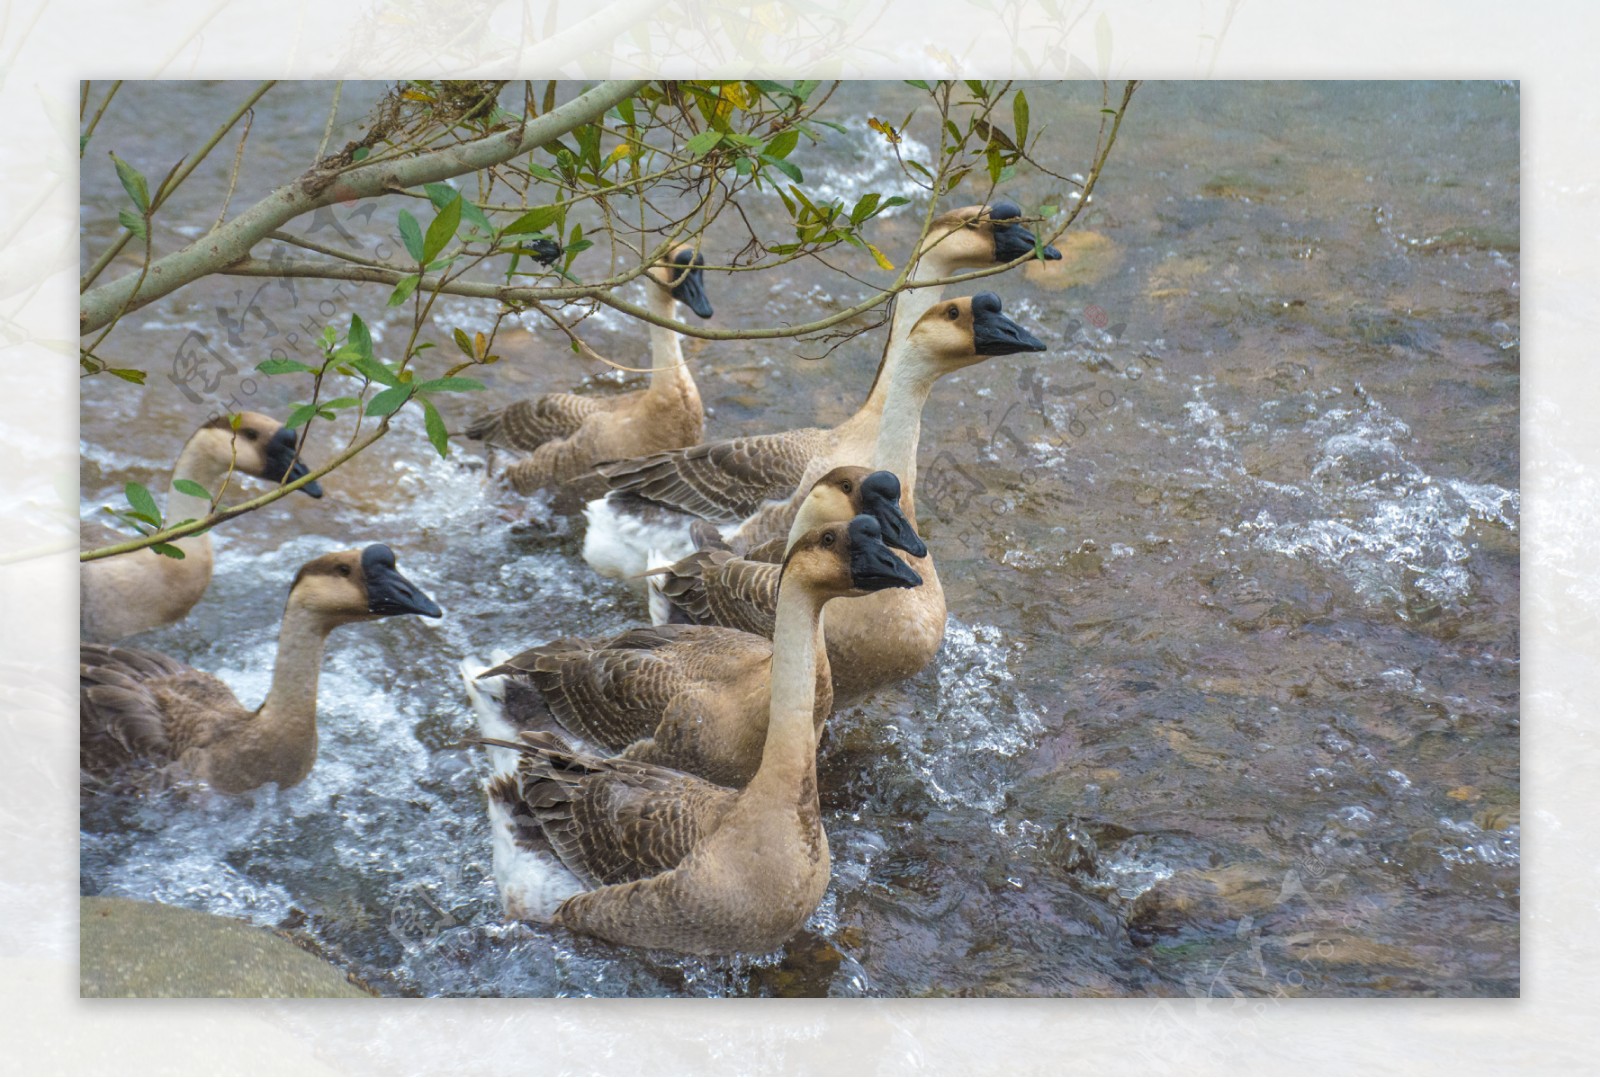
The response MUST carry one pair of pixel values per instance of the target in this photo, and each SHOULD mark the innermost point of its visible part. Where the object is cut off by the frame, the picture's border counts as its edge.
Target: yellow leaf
(480, 344)
(882, 261)
(885, 130)
(736, 93)
(617, 154)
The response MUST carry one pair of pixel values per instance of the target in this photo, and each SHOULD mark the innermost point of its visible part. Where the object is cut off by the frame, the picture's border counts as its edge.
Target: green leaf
(127, 374)
(535, 220)
(134, 183)
(786, 168)
(918, 83)
(283, 366)
(132, 222)
(300, 416)
(143, 504)
(167, 550)
(440, 194)
(442, 230)
(389, 401)
(703, 143)
(864, 207)
(403, 290)
(782, 144)
(476, 218)
(1019, 117)
(374, 370)
(411, 236)
(359, 337)
(452, 384)
(463, 342)
(191, 488)
(341, 402)
(435, 424)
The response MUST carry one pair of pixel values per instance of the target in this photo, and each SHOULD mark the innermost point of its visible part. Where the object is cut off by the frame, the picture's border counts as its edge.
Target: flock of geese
(657, 788)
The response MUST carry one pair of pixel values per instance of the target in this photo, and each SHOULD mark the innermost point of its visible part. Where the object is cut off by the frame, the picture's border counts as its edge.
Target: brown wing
(134, 703)
(613, 692)
(611, 820)
(528, 424)
(714, 587)
(559, 461)
(772, 550)
(769, 524)
(722, 481)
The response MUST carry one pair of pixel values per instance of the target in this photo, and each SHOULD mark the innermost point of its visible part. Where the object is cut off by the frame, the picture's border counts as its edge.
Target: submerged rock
(1193, 898)
(146, 949)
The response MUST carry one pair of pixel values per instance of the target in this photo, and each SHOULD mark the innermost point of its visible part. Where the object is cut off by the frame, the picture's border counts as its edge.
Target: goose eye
(952, 312)
(846, 486)
(250, 434)
(344, 570)
(828, 538)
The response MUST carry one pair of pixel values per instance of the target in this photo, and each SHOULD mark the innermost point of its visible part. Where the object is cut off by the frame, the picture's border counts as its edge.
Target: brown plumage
(137, 704)
(130, 593)
(560, 437)
(668, 860)
(692, 697)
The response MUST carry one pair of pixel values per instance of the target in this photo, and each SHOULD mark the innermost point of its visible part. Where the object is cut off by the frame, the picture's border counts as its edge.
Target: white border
(46, 49)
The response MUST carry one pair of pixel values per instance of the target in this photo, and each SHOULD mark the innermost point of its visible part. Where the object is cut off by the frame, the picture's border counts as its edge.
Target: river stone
(1191, 898)
(145, 949)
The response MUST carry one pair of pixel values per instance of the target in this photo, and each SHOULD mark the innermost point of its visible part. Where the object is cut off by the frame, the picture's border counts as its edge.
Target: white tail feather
(660, 605)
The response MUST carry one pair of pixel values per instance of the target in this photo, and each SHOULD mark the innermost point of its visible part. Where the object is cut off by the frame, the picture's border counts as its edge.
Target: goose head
(358, 585)
(846, 558)
(261, 447)
(977, 236)
(849, 491)
(680, 274)
(957, 333)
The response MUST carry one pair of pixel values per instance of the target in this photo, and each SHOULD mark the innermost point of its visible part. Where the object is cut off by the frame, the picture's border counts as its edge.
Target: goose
(142, 704)
(654, 498)
(886, 637)
(645, 856)
(715, 586)
(691, 697)
(141, 590)
(562, 436)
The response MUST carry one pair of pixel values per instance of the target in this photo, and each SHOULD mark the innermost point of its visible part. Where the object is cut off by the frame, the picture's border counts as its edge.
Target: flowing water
(1228, 700)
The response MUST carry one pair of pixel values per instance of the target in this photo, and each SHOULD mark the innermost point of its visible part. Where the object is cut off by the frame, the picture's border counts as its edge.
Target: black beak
(1012, 241)
(880, 497)
(279, 452)
(873, 567)
(690, 289)
(993, 334)
(389, 593)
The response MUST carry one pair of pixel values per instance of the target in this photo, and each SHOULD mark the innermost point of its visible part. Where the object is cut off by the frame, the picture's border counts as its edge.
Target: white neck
(909, 307)
(196, 462)
(666, 348)
(292, 701)
(909, 385)
(791, 749)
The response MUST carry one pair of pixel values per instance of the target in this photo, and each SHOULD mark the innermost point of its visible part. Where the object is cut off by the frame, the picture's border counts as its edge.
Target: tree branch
(314, 189)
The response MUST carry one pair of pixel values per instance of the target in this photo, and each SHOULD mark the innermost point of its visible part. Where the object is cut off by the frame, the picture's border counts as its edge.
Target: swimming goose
(691, 697)
(141, 590)
(646, 856)
(654, 498)
(890, 637)
(715, 586)
(567, 435)
(136, 703)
